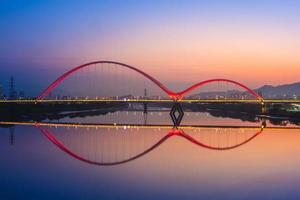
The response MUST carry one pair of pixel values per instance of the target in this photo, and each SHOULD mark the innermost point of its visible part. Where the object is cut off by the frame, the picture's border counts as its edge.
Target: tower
(145, 93)
(12, 91)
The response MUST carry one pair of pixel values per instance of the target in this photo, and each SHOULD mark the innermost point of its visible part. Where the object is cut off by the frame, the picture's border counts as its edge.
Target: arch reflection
(114, 145)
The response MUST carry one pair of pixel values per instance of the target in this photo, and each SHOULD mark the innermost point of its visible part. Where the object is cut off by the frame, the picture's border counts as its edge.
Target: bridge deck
(152, 101)
(137, 126)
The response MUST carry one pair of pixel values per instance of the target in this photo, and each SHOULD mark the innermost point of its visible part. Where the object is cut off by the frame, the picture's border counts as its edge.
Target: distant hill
(286, 91)
(280, 91)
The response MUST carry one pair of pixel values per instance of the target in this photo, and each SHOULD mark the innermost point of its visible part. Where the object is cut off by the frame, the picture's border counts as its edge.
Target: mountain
(286, 91)
(280, 91)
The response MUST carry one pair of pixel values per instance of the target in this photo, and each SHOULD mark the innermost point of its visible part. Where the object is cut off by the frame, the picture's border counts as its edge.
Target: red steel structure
(181, 94)
(171, 94)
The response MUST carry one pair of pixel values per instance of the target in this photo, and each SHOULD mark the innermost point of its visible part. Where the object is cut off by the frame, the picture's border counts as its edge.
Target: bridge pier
(263, 108)
(176, 114)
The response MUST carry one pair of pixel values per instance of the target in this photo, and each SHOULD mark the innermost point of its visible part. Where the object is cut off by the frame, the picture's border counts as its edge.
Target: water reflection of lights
(113, 144)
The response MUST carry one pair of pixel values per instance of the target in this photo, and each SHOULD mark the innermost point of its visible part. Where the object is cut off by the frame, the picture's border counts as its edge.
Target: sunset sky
(255, 42)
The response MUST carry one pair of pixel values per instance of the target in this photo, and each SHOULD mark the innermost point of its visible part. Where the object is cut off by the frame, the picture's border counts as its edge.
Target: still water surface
(213, 161)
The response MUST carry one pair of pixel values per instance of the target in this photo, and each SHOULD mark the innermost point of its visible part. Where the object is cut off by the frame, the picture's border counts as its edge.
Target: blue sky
(41, 39)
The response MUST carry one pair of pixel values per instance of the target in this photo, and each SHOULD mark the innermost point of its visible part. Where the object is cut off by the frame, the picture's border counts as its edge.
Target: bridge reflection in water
(111, 144)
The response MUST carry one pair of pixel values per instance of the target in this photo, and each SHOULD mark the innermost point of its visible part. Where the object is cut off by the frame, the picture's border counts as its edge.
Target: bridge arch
(198, 143)
(181, 94)
(53, 85)
(173, 132)
(171, 94)
(49, 135)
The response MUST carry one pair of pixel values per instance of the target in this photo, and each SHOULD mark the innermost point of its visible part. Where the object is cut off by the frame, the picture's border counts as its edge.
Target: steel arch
(170, 93)
(70, 72)
(181, 94)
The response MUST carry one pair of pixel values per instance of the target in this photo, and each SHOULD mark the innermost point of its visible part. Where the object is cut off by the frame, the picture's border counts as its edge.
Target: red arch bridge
(110, 81)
